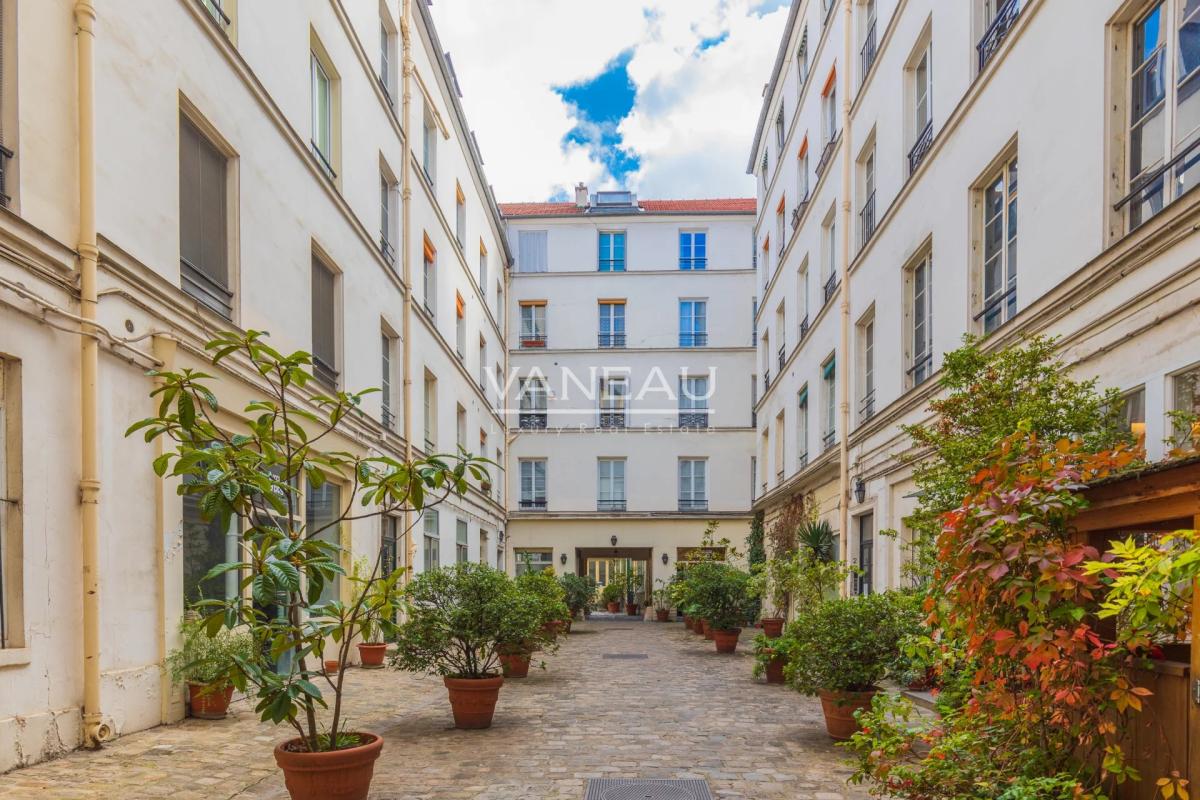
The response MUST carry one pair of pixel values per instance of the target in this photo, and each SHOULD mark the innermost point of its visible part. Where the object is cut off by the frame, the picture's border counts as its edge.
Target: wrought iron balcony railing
(532, 504)
(798, 211)
(693, 339)
(782, 357)
(387, 251)
(802, 460)
(533, 340)
(532, 420)
(830, 288)
(866, 221)
(804, 326)
(610, 339)
(610, 505)
(693, 504)
(866, 406)
(922, 367)
(826, 155)
(921, 148)
(387, 418)
(693, 418)
(324, 373)
(869, 50)
(766, 379)
(612, 419)
(213, 7)
(326, 167)
(828, 439)
(997, 31)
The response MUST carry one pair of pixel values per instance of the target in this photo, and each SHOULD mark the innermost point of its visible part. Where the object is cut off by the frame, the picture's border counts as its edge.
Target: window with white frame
(802, 172)
(429, 137)
(483, 271)
(612, 251)
(460, 216)
(610, 491)
(1185, 406)
(920, 321)
(802, 58)
(460, 427)
(429, 278)
(1000, 247)
(387, 350)
(802, 298)
(388, 213)
(693, 250)
(460, 326)
(531, 251)
(429, 398)
(829, 113)
(923, 92)
(693, 323)
(829, 402)
(432, 550)
(387, 58)
(322, 513)
(829, 257)
(533, 483)
(1133, 412)
(802, 427)
(322, 112)
(780, 129)
(693, 401)
(693, 484)
(462, 545)
(866, 374)
(203, 216)
(614, 400)
(324, 323)
(781, 227)
(612, 324)
(533, 325)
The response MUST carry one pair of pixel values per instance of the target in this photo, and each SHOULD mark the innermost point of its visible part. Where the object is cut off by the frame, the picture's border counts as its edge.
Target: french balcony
(610, 505)
(205, 290)
(782, 357)
(830, 288)
(694, 418)
(802, 461)
(778, 477)
(798, 211)
(805, 326)
(828, 440)
(693, 339)
(611, 340)
(766, 380)
(869, 50)
(997, 31)
(921, 148)
(866, 221)
(532, 504)
(323, 160)
(324, 373)
(387, 418)
(532, 420)
(387, 251)
(922, 368)
(866, 406)
(612, 419)
(213, 7)
(533, 341)
(826, 155)
(692, 504)
(6, 156)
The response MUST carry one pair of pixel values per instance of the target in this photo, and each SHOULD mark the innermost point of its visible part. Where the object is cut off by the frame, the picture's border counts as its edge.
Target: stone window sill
(15, 657)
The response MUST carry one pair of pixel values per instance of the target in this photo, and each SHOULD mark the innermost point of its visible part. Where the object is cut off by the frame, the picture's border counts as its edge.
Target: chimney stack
(581, 195)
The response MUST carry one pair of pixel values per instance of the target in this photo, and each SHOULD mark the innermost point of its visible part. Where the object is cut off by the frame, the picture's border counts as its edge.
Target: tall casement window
(920, 321)
(197, 560)
(531, 251)
(866, 214)
(864, 580)
(1133, 412)
(460, 427)
(693, 323)
(614, 401)
(387, 59)
(322, 508)
(429, 397)
(205, 545)
(483, 270)
(324, 323)
(1164, 107)
(780, 450)
(780, 129)
(387, 350)
(433, 540)
(781, 227)
(803, 309)
(462, 546)
(429, 277)
(866, 372)
(1000, 248)
(483, 365)
(460, 215)
(533, 484)
(829, 112)
(323, 102)
(802, 428)
(693, 250)
(391, 556)
(203, 216)
(389, 211)
(693, 401)
(533, 324)
(829, 257)
(610, 488)
(1185, 395)
(460, 326)
(802, 58)
(612, 251)
(870, 40)
(829, 403)
(920, 92)
(612, 323)
(429, 137)
(693, 484)
(531, 403)
(801, 179)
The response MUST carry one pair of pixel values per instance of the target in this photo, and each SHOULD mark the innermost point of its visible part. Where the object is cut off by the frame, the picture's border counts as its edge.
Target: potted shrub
(662, 602)
(611, 596)
(457, 620)
(727, 601)
(839, 650)
(205, 664)
(377, 621)
(770, 657)
(547, 595)
(256, 473)
(579, 592)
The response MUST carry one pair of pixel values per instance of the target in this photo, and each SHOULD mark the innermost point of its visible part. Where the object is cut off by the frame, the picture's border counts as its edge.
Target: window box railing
(798, 212)
(6, 156)
(213, 7)
(830, 288)
(826, 155)
(693, 339)
(694, 418)
(921, 148)
(866, 406)
(383, 84)
(802, 461)
(693, 263)
(766, 379)
(779, 476)
(205, 290)
(922, 368)
(533, 504)
(387, 251)
(692, 504)
(326, 167)
(387, 418)
(869, 50)
(997, 31)
(610, 505)
(533, 340)
(612, 419)
(782, 357)
(828, 439)
(532, 420)
(866, 221)
(827, 10)
(324, 372)
(610, 339)
(612, 265)
(430, 445)
(804, 326)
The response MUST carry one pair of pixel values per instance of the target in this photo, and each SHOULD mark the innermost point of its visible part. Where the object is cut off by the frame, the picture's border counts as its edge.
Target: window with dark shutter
(324, 341)
(203, 244)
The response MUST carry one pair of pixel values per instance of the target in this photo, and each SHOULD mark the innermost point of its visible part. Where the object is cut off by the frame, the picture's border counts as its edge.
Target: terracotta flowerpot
(550, 629)
(209, 704)
(516, 665)
(613, 608)
(775, 669)
(631, 609)
(726, 640)
(662, 614)
(334, 775)
(708, 631)
(773, 627)
(331, 666)
(371, 654)
(687, 622)
(473, 700)
(839, 708)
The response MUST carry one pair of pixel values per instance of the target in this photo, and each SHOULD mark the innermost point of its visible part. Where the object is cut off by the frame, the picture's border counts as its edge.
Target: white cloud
(694, 114)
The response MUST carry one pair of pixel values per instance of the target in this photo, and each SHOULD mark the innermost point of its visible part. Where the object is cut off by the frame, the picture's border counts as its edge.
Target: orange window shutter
(829, 82)
(482, 248)
(803, 147)
(782, 205)
(767, 243)
(429, 251)
(459, 305)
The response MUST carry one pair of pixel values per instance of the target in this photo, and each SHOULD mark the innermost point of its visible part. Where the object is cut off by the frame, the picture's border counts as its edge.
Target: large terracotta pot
(332, 665)
(726, 640)
(473, 700)
(613, 608)
(631, 609)
(708, 631)
(371, 654)
(208, 703)
(662, 614)
(775, 669)
(335, 775)
(687, 621)
(839, 708)
(516, 665)
(773, 627)
(550, 629)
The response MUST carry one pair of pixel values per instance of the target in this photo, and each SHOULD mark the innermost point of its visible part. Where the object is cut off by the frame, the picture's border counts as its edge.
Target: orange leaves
(1173, 786)
(1126, 696)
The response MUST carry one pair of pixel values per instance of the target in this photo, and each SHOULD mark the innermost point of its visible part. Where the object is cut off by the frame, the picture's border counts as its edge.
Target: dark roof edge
(770, 93)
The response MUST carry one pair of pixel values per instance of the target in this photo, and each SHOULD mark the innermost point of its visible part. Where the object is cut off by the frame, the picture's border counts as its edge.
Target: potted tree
(726, 601)
(377, 622)
(611, 596)
(548, 595)
(770, 657)
(579, 591)
(662, 602)
(457, 621)
(205, 664)
(839, 650)
(254, 466)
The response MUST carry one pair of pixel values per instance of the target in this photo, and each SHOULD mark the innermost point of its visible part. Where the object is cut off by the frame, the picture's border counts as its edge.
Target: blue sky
(660, 96)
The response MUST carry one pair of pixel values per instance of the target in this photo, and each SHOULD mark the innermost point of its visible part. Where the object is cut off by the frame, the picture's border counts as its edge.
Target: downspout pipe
(95, 730)
(843, 369)
(406, 245)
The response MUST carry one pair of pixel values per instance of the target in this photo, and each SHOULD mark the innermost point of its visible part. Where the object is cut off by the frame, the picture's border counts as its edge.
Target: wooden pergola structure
(1166, 737)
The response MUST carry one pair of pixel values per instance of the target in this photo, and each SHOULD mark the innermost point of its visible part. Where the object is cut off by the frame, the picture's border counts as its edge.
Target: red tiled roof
(728, 205)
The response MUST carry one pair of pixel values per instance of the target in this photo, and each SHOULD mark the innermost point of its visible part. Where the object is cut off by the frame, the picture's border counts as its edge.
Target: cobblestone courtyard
(682, 712)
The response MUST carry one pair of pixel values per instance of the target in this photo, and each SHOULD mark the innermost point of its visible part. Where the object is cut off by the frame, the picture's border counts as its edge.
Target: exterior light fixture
(614, 540)
(860, 490)
(665, 559)
(563, 559)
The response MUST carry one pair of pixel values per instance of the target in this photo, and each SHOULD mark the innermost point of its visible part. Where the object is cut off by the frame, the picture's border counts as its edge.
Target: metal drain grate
(625, 655)
(637, 789)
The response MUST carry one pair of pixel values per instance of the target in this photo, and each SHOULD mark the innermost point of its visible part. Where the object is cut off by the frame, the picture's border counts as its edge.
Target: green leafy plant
(756, 551)
(662, 595)
(842, 645)
(210, 661)
(723, 594)
(259, 472)
(579, 591)
(767, 649)
(459, 618)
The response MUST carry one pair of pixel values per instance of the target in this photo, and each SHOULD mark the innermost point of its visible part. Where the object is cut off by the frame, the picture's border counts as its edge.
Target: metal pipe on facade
(406, 70)
(843, 369)
(95, 731)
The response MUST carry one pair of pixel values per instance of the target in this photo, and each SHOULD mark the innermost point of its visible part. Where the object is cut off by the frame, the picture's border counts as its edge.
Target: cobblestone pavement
(684, 711)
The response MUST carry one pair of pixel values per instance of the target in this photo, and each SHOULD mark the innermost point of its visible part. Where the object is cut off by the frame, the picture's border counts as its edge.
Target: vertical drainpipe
(843, 369)
(95, 731)
(406, 69)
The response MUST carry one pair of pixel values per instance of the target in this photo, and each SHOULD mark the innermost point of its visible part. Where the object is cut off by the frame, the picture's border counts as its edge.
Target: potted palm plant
(258, 465)
(205, 664)
(458, 620)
